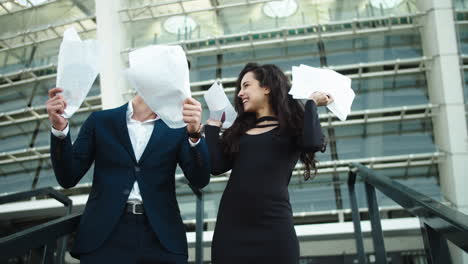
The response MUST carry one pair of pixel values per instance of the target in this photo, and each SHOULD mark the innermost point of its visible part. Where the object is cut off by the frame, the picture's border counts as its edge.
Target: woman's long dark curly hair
(290, 112)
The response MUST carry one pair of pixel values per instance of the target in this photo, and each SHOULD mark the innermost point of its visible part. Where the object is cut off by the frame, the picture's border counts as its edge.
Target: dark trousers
(132, 242)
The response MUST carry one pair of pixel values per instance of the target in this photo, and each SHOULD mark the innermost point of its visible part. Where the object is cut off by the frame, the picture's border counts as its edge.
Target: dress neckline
(266, 118)
(263, 133)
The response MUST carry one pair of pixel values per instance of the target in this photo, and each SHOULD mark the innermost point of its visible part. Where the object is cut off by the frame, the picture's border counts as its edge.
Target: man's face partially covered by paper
(160, 75)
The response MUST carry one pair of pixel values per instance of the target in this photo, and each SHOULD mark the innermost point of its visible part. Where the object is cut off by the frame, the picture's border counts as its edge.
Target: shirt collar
(130, 113)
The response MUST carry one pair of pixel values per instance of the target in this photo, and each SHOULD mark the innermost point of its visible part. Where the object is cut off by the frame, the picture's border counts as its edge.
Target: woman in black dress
(272, 131)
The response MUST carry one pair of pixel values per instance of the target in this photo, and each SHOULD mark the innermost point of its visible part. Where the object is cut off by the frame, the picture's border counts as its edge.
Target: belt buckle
(134, 209)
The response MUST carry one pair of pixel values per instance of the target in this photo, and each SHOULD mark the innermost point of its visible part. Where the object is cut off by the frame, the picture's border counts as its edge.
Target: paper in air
(307, 80)
(77, 69)
(218, 103)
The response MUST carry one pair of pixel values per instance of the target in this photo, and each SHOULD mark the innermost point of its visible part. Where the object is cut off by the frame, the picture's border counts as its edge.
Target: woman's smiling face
(252, 95)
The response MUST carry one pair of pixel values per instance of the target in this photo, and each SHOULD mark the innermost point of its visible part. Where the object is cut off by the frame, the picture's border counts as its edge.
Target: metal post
(435, 245)
(48, 253)
(374, 216)
(356, 218)
(199, 229)
(61, 248)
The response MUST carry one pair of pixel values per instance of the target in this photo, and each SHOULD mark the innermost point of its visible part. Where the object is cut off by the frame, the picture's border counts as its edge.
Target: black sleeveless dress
(254, 223)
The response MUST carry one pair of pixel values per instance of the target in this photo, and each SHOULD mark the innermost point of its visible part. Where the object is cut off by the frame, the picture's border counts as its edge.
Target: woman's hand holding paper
(324, 80)
(321, 98)
(222, 113)
(214, 121)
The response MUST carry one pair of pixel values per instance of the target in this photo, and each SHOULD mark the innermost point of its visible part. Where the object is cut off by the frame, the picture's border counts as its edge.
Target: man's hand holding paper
(192, 112)
(56, 106)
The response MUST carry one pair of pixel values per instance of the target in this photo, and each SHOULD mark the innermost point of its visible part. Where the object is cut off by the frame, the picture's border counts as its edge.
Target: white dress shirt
(140, 133)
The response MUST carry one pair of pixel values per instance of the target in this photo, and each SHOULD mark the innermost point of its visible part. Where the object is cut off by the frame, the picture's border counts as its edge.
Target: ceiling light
(280, 9)
(180, 24)
(33, 2)
(385, 4)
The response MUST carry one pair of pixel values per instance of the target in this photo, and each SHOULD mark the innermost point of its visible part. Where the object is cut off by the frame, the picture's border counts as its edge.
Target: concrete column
(445, 84)
(111, 35)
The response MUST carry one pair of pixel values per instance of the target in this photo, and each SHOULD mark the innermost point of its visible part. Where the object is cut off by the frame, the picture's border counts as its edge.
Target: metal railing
(47, 243)
(439, 222)
(200, 219)
(42, 241)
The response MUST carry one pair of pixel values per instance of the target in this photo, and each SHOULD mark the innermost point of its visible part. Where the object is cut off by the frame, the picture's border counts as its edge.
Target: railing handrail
(21, 242)
(433, 213)
(439, 222)
(49, 191)
(42, 235)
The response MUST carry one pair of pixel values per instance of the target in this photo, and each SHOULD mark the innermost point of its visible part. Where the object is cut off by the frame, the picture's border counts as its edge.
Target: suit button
(137, 169)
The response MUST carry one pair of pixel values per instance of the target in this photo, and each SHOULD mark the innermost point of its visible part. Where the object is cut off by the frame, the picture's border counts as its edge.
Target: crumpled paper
(77, 69)
(306, 80)
(160, 75)
(218, 103)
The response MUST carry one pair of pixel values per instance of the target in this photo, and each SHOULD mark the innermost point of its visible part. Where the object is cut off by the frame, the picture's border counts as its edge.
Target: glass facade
(379, 46)
(461, 11)
(377, 43)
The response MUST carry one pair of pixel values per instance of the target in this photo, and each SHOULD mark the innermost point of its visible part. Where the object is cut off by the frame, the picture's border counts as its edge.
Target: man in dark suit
(131, 215)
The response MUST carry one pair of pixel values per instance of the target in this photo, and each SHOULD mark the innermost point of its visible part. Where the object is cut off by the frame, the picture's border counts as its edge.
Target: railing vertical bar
(435, 245)
(30, 255)
(61, 248)
(48, 254)
(199, 229)
(374, 216)
(44, 254)
(356, 218)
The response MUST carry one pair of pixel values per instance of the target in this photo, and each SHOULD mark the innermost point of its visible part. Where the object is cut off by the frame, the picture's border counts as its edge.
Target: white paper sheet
(77, 69)
(307, 80)
(160, 75)
(218, 103)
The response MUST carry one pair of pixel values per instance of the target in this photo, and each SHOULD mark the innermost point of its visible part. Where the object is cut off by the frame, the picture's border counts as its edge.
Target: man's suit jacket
(104, 140)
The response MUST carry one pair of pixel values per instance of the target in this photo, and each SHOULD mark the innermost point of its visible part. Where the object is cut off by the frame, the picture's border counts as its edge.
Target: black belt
(134, 208)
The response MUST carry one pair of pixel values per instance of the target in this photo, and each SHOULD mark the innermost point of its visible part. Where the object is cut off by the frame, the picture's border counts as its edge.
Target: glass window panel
(312, 198)
(16, 182)
(384, 139)
(460, 4)
(373, 47)
(391, 91)
(422, 179)
(56, 13)
(463, 38)
(202, 68)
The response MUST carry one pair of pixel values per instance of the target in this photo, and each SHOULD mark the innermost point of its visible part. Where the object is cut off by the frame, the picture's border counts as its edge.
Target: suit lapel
(158, 132)
(122, 130)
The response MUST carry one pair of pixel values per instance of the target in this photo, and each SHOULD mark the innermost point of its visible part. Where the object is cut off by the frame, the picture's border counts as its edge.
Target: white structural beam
(111, 35)
(362, 70)
(9, 8)
(31, 114)
(46, 33)
(144, 12)
(331, 30)
(445, 89)
(392, 114)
